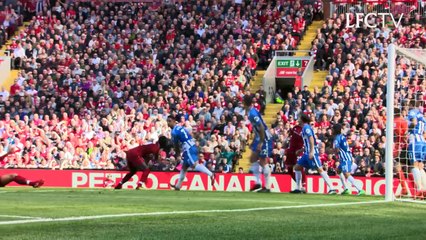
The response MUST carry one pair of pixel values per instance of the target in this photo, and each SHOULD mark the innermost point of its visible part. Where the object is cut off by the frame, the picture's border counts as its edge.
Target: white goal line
(82, 218)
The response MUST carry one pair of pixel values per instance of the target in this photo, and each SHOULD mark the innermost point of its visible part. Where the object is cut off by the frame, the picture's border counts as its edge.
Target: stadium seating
(348, 87)
(98, 79)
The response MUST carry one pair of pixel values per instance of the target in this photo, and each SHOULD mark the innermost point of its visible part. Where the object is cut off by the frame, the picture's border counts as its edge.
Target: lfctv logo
(364, 18)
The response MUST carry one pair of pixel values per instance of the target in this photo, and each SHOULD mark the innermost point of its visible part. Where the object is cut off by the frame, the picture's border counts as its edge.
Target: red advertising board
(287, 72)
(193, 181)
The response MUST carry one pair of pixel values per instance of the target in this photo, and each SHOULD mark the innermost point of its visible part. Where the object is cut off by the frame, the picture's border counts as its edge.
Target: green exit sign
(287, 63)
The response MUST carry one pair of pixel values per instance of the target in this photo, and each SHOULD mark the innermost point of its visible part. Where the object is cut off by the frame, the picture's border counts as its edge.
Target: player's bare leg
(125, 179)
(143, 178)
(291, 171)
(267, 174)
(402, 179)
(417, 179)
(298, 177)
(352, 181)
(255, 169)
(182, 175)
(423, 177)
(326, 178)
(144, 175)
(343, 181)
(201, 168)
(8, 178)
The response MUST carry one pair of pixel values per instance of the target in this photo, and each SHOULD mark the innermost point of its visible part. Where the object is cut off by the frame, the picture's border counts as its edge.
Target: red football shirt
(296, 140)
(144, 150)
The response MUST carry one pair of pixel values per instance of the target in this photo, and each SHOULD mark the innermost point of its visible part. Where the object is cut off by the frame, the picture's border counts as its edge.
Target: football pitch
(50, 213)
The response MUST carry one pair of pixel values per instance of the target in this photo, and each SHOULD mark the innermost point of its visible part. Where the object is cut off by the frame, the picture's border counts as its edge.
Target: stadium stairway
(318, 80)
(306, 44)
(310, 35)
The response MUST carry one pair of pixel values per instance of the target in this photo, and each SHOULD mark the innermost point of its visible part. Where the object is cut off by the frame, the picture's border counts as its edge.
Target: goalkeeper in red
(137, 160)
(345, 157)
(8, 178)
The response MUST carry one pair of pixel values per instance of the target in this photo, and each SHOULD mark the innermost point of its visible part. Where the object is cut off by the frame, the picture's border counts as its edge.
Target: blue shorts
(419, 153)
(345, 166)
(266, 148)
(305, 162)
(190, 157)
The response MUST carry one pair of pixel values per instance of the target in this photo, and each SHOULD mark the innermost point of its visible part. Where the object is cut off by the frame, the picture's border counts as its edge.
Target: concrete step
(260, 72)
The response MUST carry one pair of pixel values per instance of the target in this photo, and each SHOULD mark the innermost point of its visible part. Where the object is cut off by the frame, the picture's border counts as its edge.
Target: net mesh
(410, 124)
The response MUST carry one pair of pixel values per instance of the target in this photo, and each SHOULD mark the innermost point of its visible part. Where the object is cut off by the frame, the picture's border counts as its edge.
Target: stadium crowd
(97, 79)
(11, 17)
(353, 92)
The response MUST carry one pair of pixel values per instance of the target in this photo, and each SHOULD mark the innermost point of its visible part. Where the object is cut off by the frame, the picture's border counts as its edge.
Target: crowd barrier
(193, 181)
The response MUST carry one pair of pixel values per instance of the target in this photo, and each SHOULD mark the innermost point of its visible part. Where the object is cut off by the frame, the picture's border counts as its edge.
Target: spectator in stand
(111, 73)
(352, 93)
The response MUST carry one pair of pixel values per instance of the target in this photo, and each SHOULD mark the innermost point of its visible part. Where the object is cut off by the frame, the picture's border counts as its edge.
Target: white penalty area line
(82, 218)
(51, 190)
(18, 216)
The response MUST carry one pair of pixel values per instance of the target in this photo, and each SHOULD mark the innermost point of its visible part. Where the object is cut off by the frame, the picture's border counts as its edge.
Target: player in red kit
(8, 178)
(294, 148)
(400, 146)
(137, 160)
(400, 133)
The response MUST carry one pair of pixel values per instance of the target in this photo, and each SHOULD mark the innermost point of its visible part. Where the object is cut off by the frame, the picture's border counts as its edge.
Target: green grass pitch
(127, 214)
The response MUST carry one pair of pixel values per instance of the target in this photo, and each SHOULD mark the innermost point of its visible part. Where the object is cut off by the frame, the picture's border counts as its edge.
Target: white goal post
(417, 56)
(390, 93)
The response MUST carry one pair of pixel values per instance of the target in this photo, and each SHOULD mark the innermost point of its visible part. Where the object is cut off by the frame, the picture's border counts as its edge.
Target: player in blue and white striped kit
(261, 146)
(345, 158)
(417, 149)
(310, 158)
(183, 140)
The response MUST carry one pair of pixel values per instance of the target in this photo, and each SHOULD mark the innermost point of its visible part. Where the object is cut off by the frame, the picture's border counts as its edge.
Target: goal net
(406, 112)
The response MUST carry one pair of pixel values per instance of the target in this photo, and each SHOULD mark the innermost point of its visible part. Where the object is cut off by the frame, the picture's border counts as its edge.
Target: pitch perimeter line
(18, 216)
(81, 218)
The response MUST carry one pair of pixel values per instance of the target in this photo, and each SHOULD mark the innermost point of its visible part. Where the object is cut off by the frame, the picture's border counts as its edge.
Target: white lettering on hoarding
(377, 186)
(78, 179)
(310, 185)
(315, 184)
(336, 184)
(275, 187)
(368, 186)
(175, 178)
(219, 183)
(154, 181)
(197, 183)
(115, 176)
(132, 183)
(234, 184)
(96, 179)
(361, 18)
(248, 181)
